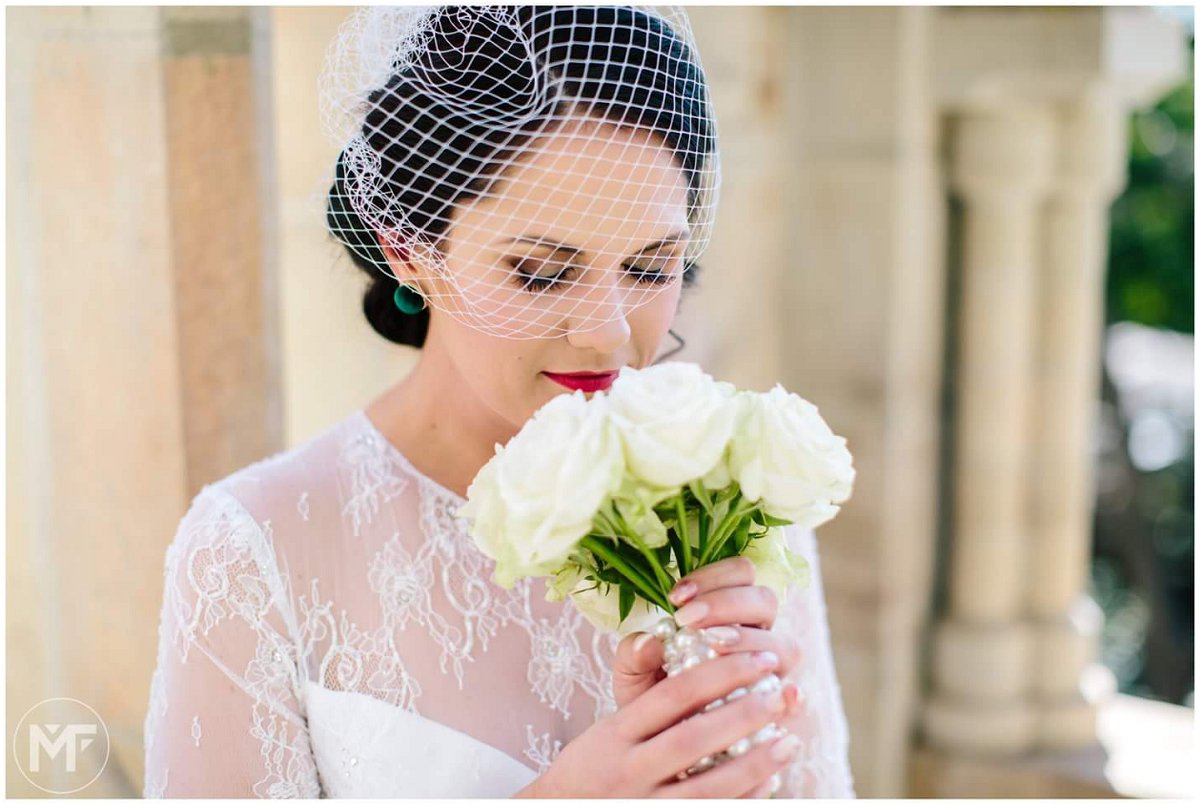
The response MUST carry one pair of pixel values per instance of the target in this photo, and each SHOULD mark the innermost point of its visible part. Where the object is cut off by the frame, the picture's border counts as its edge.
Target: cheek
(509, 371)
(649, 323)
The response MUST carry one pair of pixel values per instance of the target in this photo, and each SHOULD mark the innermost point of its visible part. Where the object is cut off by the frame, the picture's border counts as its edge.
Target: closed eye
(655, 271)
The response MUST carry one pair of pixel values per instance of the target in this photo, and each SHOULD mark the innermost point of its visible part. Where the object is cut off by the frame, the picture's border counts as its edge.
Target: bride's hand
(637, 751)
(726, 598)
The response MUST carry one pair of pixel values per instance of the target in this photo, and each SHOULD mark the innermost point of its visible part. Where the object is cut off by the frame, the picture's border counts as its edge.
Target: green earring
(408, 299)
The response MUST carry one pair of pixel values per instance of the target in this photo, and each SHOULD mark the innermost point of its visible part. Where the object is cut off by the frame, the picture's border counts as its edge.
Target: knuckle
(618, 726)
(791, 648)
(762, 708)
(745, 566)
(674, 695)
(747, 665)
(685, 740)
(763, 766)
(769, 599)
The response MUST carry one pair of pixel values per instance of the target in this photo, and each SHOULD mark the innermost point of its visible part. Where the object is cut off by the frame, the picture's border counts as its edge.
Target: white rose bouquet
(615, 498)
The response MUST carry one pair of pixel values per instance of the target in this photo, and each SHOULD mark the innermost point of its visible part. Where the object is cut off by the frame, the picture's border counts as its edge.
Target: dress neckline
(399, 456)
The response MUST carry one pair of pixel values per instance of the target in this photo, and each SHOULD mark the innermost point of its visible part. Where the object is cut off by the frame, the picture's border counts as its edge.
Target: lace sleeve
(225, 716)
(822, 768)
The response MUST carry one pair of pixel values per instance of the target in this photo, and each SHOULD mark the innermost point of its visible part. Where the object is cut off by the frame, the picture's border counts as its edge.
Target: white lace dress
(329, 629)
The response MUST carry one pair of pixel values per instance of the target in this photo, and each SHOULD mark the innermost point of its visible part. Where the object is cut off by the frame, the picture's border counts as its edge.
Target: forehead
(592, 184)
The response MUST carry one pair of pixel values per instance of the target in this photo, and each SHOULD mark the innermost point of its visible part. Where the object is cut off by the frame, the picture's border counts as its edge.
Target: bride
(528, 189)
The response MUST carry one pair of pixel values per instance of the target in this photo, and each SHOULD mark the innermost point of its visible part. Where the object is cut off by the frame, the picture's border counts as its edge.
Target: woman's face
(581, 245)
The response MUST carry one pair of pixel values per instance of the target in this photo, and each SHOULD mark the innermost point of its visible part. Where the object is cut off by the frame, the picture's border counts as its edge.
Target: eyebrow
(567, 247)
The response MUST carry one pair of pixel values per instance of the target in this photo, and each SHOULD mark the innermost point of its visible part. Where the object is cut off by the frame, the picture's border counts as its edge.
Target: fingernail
(795, 699)
(689, 614)
(766, 660)
(725, 635)
(640, 641)
(785, 748)
(776, 703)
(682, 592)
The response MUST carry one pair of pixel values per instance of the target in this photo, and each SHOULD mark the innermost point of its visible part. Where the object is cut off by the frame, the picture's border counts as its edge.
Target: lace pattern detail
(223, 594)
(372, 479)
(540, 749)
(233, 634)
(355, 660)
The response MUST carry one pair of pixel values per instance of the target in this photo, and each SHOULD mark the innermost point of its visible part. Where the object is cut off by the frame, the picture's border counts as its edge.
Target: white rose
(600, 602)
(532, 503)
(785, 455)
(675, 421)
(776, 565)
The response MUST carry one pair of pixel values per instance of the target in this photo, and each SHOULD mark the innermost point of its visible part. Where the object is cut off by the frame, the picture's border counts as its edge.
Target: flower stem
(727, 526)
(664, 581)
(685, 561)
(597, 546)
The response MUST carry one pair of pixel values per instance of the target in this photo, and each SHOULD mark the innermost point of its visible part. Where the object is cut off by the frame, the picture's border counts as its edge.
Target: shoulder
(306, 463)
(237, 513)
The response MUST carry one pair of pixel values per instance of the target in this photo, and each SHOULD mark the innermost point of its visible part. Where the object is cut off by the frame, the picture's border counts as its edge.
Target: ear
(396, 254)
(399, 258)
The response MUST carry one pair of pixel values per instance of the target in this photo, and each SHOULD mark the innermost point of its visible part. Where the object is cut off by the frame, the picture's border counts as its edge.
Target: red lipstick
(584, 381)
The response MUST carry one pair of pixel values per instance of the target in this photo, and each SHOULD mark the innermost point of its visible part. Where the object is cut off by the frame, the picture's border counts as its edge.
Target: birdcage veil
(568, 152)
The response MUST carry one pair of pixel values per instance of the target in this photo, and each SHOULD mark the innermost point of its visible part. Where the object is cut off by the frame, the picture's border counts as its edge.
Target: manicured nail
(776, 701)
(689, 614)
(640, 641)
(785, 748)
(790, 692)
(725, 635)
(682, 592)
(766, 660)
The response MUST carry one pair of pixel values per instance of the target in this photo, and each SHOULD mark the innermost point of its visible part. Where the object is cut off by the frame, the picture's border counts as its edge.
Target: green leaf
(626, 601)
(727, 494)
(764, 519)
(741, 538)
(727, 550)
(610, 575)
(702, 495)
(677, 546)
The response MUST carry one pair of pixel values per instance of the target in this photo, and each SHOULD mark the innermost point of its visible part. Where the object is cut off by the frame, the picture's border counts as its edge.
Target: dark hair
(620, 64)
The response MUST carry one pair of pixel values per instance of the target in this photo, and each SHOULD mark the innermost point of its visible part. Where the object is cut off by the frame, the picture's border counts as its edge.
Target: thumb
(640, 653)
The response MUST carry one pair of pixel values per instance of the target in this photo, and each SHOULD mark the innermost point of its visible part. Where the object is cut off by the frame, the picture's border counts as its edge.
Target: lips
(583, 381)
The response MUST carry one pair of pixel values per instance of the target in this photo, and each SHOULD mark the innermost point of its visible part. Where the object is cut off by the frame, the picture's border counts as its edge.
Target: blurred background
(967, 234)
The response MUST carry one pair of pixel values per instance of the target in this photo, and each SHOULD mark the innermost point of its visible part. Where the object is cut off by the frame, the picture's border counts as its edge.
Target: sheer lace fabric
(329, 629)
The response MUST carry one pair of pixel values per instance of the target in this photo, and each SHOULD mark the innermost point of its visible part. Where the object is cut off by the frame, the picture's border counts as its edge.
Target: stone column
(1038, 99)
(1090, 171)
(826, 275)
(140, 333)
(999, 168)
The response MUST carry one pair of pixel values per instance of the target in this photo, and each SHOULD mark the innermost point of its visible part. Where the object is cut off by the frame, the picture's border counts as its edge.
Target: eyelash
(536, 284)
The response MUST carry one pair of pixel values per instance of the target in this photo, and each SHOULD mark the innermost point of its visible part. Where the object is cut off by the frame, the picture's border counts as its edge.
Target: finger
(762, 790)
(710, 733)
(730, 572)
(638, 654)
(797, 718)
(733, 778)
(751, 605)
(675, 697)
(729, 639)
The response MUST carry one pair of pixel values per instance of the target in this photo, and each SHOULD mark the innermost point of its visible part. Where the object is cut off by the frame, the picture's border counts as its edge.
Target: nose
(607, 303)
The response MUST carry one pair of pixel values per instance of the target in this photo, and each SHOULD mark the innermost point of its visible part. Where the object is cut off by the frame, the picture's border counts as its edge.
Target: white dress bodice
(329, 629)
